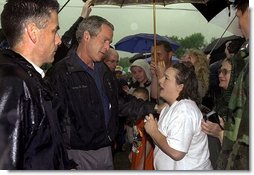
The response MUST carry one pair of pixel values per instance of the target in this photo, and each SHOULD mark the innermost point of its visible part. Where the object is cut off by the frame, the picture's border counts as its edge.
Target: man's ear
(32, 31)
(86, 35)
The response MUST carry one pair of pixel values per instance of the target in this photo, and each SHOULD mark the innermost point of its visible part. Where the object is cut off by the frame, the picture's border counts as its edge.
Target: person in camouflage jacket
(235, 146)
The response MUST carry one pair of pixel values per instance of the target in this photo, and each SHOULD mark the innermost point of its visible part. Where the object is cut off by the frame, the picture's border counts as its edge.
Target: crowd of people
(77, 113)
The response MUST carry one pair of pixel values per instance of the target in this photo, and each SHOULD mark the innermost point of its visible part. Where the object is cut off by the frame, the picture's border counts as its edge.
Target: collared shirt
(37, 68)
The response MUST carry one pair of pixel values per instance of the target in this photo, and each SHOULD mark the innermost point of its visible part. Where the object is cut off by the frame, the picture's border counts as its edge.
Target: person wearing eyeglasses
(224, 73)
(227, 74)
(234, 154)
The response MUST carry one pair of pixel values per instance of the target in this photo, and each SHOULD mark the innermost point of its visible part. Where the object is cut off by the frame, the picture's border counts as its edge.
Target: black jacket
(30, 136)
(68, 41)
(81, 110)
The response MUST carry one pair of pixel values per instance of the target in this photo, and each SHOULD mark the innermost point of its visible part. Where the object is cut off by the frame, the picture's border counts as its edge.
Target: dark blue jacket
(81, 109)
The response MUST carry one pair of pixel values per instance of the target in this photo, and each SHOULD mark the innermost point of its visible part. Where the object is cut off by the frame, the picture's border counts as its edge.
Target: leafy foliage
(196, 40)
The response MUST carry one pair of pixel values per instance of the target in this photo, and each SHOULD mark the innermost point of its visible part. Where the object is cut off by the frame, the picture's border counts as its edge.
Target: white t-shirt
(181, 124)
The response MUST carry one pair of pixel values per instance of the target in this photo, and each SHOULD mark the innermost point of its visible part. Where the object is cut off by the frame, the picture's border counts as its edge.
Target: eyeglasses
(224, 71)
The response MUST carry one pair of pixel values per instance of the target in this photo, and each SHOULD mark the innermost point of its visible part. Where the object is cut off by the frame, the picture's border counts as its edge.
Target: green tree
(124, 62)
(196, 40)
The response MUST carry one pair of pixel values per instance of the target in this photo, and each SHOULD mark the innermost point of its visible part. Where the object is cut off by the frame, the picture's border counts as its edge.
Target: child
(141, 155)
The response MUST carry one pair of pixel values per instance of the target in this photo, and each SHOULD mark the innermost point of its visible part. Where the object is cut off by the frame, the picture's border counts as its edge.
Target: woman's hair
(226, 60)
(241, 5)
(235, 45)
(201, 67)
(17, 13)
(185, 74)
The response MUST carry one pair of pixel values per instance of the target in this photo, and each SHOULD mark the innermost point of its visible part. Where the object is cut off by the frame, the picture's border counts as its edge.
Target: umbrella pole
(154, 32)
(154, 43)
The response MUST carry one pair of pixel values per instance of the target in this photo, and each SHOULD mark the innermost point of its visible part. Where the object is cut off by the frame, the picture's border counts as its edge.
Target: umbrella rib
(122, 3)
(63, 6)
(222, 34)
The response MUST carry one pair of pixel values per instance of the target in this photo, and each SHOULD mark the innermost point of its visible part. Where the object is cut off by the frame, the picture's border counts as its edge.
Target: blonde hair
(201, 67)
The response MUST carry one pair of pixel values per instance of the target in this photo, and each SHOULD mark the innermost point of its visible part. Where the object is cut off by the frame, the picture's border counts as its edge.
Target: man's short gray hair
(92, 24)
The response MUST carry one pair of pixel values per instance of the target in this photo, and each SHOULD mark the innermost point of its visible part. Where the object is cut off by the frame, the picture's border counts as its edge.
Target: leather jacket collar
(15, 58)
(18, 59)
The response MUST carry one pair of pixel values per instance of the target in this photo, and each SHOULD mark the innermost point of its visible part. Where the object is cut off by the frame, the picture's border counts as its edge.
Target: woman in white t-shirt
(180, 143)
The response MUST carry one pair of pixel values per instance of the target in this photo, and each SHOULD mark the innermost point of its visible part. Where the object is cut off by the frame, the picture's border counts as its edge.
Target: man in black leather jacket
(30, 134)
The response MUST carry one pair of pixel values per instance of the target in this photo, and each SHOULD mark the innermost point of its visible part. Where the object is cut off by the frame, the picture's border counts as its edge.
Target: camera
(212, 116)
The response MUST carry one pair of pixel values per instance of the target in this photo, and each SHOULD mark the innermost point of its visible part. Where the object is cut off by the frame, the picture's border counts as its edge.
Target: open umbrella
(227, 20)
(122, 3)
(222, 14)
(142, 43)
(136, 2)
(221, 45)
(217, 47)
(210, 9)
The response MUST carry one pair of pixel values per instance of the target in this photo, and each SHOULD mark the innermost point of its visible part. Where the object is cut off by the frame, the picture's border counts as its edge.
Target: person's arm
(160, 140)
(157, 73)
(86, 10)
(12, 105)
(69, 37)
(213, 129)
(131, 106)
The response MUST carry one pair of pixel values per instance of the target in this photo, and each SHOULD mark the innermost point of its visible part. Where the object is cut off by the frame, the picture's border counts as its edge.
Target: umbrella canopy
(153, 2)
(210, 9)
(135, 2)
(142, 43)
(219, 44)
(227, 20)
(217, 47)
(222, 14)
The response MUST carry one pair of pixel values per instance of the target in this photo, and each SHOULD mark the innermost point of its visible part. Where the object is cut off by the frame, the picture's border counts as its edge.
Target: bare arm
(69, 37)
(157, 73)
(86, 10)
(160, 140)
